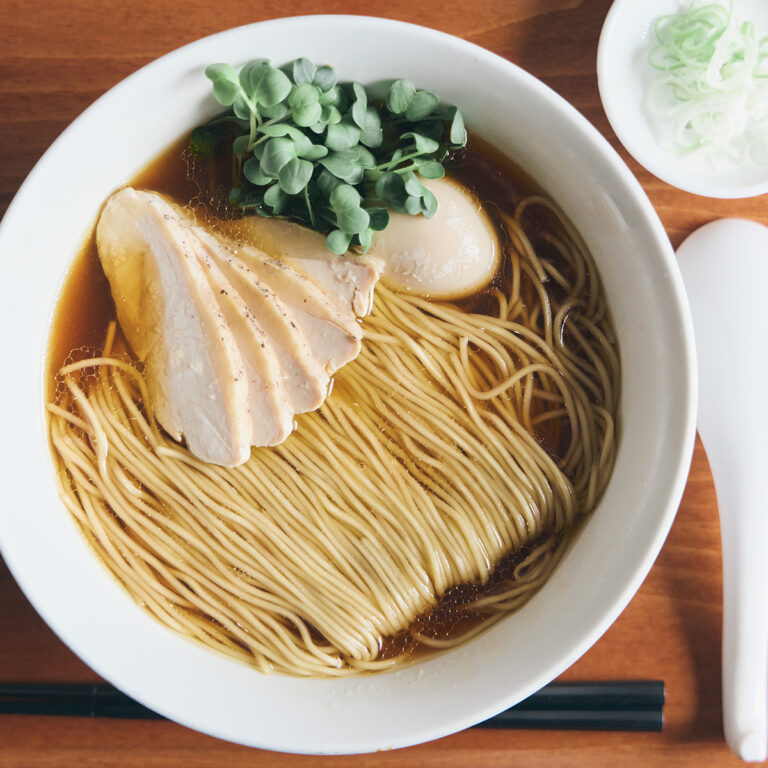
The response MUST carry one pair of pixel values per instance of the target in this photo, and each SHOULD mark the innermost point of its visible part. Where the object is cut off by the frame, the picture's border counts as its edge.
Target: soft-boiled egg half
(452, 254)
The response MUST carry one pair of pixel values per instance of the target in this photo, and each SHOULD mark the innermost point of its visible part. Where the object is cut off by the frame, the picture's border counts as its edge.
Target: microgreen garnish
(328, 154)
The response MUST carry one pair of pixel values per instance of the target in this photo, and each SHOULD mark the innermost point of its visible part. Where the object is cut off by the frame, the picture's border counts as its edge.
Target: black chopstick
(124, 710)
(634, 705)
(621, 695)
(572, 720)
(631, 705)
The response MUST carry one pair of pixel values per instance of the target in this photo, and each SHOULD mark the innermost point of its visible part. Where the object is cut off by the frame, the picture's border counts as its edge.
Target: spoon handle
(742, 496)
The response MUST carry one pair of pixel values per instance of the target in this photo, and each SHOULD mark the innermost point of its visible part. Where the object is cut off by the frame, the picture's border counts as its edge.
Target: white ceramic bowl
(623, 75)
(65, 582)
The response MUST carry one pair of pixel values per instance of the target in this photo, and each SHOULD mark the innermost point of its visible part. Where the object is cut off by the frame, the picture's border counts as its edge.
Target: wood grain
(55, 59)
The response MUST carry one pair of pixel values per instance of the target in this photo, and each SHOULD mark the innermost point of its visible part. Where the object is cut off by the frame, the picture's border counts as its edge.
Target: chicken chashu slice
(282, 334)
(269, 405)
(172, 320)
(334, 336)
(303, 375)
(348, 281)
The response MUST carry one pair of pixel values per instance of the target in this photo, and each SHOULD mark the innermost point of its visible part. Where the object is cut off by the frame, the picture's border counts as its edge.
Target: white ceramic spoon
(725, 268)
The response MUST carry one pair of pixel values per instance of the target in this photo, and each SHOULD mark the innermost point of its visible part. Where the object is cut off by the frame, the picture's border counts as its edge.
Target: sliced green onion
(709, 95)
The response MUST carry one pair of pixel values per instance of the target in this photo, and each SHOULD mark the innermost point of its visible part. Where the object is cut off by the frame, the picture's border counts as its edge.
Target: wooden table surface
(55, 59)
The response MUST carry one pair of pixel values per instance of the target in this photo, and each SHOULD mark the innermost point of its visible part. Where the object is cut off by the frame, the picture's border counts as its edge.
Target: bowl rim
(686, 436)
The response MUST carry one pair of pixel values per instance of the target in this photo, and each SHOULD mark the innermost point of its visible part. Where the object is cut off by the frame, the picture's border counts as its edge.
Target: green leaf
(264, 83)
(304, 104)
(353, 220)
(225, 82)
(365, 238)
(379, 218)
(327, 182)
(400, 95)
(278, 112)
(345, 202)
(277, 153)
(338, 242)
(325, 78)
(302, 144)
(458, 132)
(303, 94)
(372, 135)
(245, 74)
(280, 129)
(391, 188)
(313, 152)
(342, 135)
(294, 176)
(342, 167)
(422, 105)
(225, 92)
(422, 144)
(330, 115)
(360, 106)
(431, 169)
(413, 205)
(303, 71)
(412, 185)
(240, 144)
(349, 154)
(275, 198)
(432, 129)
(363, 157)
(308, 115)
(216, 72)
(241, 107)
(330, 97)
(252, 171)
(258, 150)
(344, 197)
(429, 204)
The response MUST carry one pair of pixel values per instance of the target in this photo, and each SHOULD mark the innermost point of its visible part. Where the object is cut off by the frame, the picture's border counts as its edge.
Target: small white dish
(623, 73)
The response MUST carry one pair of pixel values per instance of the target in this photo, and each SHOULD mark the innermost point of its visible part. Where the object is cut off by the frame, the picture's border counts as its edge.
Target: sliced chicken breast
(270, 411)
(348, 279)
(305, 377)
(171, 319)
(235, 342)
(333, 336)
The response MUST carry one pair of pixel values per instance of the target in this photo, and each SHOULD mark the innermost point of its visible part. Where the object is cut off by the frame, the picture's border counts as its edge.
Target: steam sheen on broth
(430, 495)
